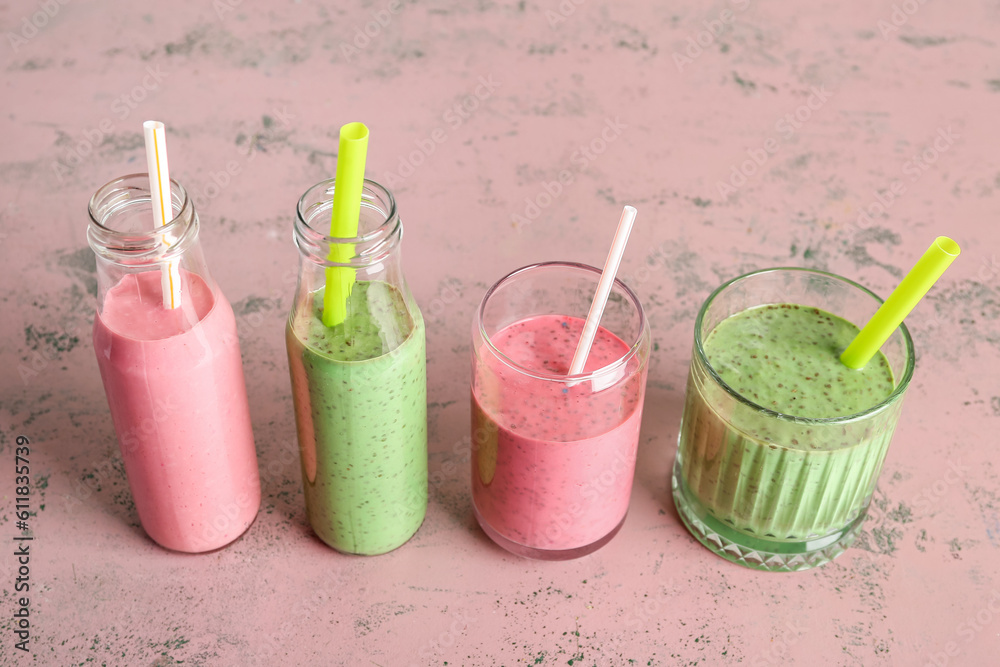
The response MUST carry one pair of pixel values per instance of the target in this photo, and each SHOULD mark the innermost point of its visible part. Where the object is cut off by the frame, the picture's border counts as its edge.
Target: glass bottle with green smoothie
(359, 386)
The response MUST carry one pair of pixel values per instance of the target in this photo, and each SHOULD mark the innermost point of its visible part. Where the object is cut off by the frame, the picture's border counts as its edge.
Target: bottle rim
(312, 220)
(138, 246)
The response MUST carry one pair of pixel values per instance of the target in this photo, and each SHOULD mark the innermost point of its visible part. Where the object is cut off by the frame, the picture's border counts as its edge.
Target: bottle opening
(122, 227)
(379, 226)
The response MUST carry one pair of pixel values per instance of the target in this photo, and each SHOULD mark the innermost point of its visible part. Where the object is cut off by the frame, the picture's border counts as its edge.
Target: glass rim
(98, 197)
(374, 235)
(621, 362)
(135, 247)
(368, 248)
(897, 392)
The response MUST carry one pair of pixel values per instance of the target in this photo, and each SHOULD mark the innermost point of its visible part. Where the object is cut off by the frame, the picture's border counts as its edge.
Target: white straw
(163, 210)
(603, 291)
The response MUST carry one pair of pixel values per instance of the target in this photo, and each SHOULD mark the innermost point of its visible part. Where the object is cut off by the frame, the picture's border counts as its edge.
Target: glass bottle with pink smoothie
(173, 375)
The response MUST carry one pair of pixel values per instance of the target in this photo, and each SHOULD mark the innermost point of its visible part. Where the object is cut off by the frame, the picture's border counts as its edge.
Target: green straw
(348, 184)
(899, 304)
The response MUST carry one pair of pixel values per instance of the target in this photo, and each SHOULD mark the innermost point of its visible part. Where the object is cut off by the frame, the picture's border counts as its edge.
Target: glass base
(754, 552)
(544, 554)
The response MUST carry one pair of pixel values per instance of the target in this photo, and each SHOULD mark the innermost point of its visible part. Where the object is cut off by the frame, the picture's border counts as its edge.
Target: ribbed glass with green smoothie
(781, 445)
(359, 386)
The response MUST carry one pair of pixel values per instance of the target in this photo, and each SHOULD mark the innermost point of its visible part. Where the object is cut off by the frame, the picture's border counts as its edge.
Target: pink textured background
(265, 87)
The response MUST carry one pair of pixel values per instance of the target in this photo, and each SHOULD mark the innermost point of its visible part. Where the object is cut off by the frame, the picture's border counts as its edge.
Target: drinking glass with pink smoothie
(173, 376)
(554, 454)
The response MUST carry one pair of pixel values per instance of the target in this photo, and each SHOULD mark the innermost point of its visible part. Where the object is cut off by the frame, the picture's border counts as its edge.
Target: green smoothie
(360, 395)
(769, 470)
(786, 358)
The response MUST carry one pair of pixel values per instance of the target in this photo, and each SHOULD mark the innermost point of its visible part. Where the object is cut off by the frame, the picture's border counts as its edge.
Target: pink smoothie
(552, 464)
(174, 381)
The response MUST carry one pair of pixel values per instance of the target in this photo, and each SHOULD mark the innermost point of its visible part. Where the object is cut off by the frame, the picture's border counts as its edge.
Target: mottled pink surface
(261, 90)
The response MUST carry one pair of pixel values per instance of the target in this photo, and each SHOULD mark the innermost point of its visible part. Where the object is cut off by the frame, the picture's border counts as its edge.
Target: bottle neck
(125, 240)
(361, 275)
(121, 226)
(370, 252)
